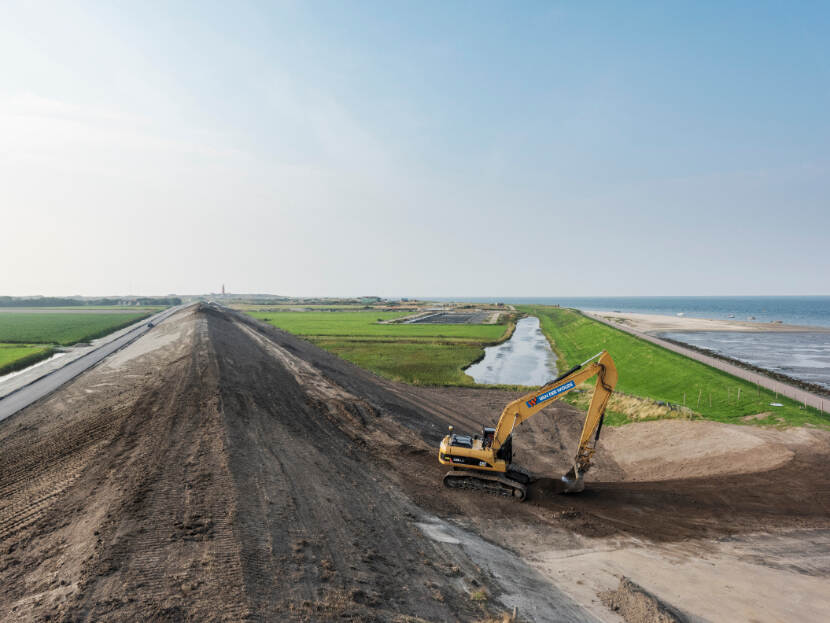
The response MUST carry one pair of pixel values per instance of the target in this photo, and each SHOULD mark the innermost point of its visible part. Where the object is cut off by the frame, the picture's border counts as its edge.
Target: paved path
(790, 391)
(52, 379)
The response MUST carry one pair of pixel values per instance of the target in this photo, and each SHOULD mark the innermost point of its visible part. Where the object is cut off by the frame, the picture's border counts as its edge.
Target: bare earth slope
(220, 469)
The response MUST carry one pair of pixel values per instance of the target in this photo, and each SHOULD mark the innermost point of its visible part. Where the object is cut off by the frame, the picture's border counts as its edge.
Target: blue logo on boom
(551, 393)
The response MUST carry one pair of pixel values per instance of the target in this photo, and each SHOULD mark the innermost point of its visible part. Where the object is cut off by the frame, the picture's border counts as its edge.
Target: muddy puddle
(525, 359)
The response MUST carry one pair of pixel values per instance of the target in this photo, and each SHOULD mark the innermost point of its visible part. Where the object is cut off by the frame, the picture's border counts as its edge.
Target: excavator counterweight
(485, 463)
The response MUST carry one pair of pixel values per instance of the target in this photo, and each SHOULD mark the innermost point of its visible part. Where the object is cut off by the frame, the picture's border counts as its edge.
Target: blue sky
(415, 148)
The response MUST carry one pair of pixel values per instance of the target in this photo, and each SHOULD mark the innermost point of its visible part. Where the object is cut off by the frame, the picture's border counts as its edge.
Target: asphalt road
(45, 385)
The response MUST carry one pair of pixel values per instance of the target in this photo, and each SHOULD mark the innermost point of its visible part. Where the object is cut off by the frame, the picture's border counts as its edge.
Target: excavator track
(487, 482)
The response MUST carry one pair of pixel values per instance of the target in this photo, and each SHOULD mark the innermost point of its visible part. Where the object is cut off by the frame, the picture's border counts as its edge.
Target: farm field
(16, 356)
(421, 354)
(657, 374)
(419, 362)
(84, 308)
(249, 307)
(61, 328)
(28, 336)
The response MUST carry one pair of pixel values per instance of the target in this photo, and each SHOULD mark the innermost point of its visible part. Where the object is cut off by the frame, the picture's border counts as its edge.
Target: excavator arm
(486, 462)
(530, 404)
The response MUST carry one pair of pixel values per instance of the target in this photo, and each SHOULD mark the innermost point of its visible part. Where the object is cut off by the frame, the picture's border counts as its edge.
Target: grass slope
(658, 374)
(428, 354)
(61, 328)
(18, 356)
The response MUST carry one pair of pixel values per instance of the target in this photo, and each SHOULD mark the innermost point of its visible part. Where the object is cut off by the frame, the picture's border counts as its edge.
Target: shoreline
(763, 377)
(777, 376)
(658, 323)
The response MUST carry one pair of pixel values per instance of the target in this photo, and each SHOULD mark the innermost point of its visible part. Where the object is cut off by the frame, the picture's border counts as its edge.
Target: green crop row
(18, 356)
(63, 328)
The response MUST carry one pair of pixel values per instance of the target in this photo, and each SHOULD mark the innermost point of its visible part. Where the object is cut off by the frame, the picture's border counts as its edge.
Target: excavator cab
(487, 437)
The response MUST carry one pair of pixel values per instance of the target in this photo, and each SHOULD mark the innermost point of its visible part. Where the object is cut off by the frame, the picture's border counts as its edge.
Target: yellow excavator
(486, 463)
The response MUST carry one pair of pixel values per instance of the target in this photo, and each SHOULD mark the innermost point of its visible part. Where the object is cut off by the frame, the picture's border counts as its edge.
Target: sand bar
(656, 323)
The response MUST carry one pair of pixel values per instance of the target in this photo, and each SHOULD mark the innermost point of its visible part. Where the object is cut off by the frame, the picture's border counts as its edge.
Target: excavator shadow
(544, 487)
(795, 495)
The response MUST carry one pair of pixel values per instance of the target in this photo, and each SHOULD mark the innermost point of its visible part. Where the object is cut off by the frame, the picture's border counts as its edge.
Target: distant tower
(223, 289)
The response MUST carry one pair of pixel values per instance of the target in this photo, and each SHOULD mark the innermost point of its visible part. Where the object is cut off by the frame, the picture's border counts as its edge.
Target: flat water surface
(804, 356)
(525, 359)
(811, 311)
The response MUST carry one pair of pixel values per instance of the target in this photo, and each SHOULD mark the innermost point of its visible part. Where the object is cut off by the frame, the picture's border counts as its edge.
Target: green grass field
(83, 308)
(62, 328)
(658, 374)
(427, 354)
(365, 324)
(279, 307)
(17, 356)
(417, 362)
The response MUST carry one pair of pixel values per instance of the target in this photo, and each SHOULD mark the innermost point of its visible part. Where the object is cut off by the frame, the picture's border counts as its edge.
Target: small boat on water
(680, 314)
(731, 316)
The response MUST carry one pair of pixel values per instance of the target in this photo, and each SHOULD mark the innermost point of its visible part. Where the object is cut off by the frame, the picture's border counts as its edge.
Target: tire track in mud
(216, 481)
(319, 523)
(241, 473)
(166, 546)
(794, 495)
(144, 530)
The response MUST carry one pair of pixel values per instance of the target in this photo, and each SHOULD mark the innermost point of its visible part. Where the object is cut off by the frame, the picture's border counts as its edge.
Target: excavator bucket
(574, 481)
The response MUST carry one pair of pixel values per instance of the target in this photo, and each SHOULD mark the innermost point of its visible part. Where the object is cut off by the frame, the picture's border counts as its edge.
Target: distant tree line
(54, 301)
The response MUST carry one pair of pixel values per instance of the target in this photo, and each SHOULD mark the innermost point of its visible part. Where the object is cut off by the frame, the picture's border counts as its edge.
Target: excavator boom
(491, 456)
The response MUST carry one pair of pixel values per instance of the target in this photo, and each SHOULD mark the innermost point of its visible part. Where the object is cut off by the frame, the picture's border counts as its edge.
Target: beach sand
(656, 323)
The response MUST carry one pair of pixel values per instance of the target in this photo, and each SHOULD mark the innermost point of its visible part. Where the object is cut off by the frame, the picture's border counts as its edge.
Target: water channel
(525, 359)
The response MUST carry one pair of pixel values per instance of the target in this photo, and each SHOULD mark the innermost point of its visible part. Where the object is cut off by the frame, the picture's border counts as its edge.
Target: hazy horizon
(330, 148)
(460, 298)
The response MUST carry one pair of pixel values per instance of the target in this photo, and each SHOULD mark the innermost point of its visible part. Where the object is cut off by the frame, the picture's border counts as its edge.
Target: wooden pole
(699, 394)
(739, 396)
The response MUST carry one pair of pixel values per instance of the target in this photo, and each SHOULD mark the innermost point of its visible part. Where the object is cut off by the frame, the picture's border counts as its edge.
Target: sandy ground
(655, 323)
(219, 469)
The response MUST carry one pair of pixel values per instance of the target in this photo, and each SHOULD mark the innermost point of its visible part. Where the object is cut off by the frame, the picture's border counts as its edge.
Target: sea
(793, 310)
(801, 355)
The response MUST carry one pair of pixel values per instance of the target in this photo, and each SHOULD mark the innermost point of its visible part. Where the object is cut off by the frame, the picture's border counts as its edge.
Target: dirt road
(218, 469)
